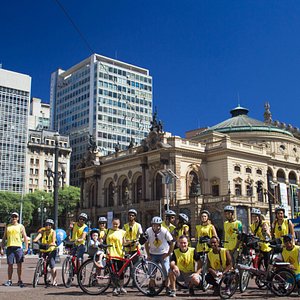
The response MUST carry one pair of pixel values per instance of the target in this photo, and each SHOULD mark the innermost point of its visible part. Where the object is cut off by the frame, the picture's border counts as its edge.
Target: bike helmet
(49, 221)
(287, 238)
(205, 212)
(170, 213)
(255, 211)
(280, 208)
(83, 215)
(183, 217)
(102, 220)
(132, 211)
(156, 220)
(229, 208)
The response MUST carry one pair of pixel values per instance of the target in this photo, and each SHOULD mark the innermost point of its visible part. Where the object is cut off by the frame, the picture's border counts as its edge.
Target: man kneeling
(182, 266)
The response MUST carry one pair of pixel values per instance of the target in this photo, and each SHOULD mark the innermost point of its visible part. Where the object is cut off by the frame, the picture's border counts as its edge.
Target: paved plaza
(60, 292)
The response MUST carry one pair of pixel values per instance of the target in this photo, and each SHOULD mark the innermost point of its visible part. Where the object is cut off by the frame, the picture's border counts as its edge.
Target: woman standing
(281, 226)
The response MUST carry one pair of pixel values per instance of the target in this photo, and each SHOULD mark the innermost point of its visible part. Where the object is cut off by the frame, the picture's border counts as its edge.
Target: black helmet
(94, 230)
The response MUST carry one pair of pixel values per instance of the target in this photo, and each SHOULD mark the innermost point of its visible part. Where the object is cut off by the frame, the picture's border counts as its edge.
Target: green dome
(240, 122)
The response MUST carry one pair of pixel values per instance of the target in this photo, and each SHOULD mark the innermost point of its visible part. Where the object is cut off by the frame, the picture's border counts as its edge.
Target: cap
(15, 214)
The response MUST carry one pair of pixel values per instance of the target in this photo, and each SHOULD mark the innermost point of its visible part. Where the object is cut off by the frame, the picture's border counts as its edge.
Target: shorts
(51, 257)
(79, 251)
(14, 254)
(165, 263)
(186, 277)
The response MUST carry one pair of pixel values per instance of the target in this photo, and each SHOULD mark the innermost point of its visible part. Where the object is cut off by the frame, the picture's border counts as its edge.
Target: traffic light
(259, 187)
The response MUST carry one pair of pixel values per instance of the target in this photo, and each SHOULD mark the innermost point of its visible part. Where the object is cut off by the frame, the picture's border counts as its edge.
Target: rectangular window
(238, 189)
(215, 190)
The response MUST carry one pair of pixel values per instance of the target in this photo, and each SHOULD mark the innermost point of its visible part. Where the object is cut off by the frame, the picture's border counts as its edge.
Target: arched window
(292, 178)
(280, 176)
(124, 193)
(195, 189)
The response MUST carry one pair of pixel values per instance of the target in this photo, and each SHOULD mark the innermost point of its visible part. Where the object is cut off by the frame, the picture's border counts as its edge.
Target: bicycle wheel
(127, 276)
(228, 285)
(261, 281)
(146, 271)
(93, 280)
(67, 272)
(38, 272)
(282, 282)
(244, 280)
(47, 274)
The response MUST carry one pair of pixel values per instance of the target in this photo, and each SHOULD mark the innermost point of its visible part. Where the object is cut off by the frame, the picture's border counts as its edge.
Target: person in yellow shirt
(102, 223)
(184, 260)
(205, 229)
(232, 228)
(13, 235)
(219, 263)
(260, 229)
(281, 225)
(79, 233)
(48, 236)
(291, 254)
(182, 228)
(115, 237)
(170, 220)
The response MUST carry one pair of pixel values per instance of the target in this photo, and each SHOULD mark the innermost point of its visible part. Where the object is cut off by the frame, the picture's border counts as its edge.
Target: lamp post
(56, 175)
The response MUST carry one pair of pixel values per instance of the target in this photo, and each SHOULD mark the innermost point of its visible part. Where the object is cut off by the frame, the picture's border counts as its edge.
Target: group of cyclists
(167, 242)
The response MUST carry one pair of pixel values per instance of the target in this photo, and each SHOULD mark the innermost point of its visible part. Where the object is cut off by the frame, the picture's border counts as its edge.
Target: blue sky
(205, 56)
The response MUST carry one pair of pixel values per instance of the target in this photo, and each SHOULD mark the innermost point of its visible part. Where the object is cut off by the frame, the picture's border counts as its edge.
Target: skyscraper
(106, 98)
(14, 107)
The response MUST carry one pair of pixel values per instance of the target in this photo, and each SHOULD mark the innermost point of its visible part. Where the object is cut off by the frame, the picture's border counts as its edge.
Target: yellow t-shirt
(185, 260)
(102, 233)
(231, 234)
(132, 233)
(78, 232)
(170, 228)
(47, 238)
(263, 246)
(281, 230)
(292, 257)
(115, 239)
(203, 230)
(214, 260)
(14, 235)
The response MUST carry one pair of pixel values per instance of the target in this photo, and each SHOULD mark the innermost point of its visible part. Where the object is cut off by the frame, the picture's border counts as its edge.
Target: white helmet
(132, 211)
(83, 215)
(156, 220)
(170, 213)
(183, 217)
(229, 208)
(255, 211)
(49, 221)
(279, 208)
(102, 220)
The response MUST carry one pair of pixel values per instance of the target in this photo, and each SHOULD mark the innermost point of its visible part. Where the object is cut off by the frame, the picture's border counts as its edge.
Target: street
(60, 292)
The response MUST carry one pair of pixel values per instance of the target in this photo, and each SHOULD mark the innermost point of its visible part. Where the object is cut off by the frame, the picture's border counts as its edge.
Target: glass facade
(14, 105)
(107, 98)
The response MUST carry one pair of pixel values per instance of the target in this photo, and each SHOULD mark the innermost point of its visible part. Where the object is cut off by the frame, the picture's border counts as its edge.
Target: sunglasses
(81, 219)
(48, 224)
(14, 217)
(102, 223)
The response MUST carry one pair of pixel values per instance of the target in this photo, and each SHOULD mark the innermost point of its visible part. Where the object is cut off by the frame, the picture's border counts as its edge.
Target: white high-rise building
(39, 115)
(106, 98)
(14, 110)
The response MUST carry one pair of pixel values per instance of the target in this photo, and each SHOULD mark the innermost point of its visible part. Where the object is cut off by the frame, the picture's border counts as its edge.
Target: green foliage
(10, 202)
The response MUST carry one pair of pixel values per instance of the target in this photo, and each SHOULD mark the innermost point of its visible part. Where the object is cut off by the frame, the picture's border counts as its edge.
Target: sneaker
(115, 292)
(122, 291)
(8, 283)
(21, 284)
(172, 293)
(168, 290)
(191, 291)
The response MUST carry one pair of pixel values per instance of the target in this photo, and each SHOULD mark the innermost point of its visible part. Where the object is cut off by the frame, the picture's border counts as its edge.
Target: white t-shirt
(158, 244)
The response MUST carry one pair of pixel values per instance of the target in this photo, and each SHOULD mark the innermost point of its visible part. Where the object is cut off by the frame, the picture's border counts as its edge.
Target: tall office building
(106, 98)
(39, 115)
(14, 109)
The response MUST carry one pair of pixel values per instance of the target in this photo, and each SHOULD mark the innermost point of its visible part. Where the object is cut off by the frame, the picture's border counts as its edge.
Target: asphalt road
(60, 292)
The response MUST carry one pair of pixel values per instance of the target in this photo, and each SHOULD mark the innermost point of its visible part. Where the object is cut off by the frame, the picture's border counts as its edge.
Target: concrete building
(104, 98)
(14, 110)
(41, 156)
(39, 115)
(221, 165)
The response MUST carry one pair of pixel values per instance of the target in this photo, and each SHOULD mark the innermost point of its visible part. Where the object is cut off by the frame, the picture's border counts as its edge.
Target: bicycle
(277, 277)
(69, 266)
(94, 280)
(42, 267)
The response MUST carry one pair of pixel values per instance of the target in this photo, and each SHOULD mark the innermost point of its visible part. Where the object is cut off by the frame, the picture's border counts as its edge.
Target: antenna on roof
(238, 96)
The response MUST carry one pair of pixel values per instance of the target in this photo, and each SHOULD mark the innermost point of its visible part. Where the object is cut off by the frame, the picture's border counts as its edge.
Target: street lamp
(56, 175)
(42, 211)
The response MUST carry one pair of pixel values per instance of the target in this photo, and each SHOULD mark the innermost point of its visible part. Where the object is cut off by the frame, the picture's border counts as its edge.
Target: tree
(68, 199)
(10, 202)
